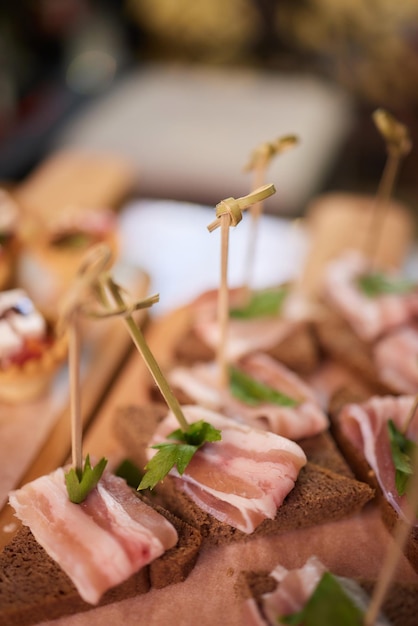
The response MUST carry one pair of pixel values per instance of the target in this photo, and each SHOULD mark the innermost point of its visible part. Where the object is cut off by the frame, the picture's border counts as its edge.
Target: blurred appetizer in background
(54, 249)
(31, 352)
(68, 203)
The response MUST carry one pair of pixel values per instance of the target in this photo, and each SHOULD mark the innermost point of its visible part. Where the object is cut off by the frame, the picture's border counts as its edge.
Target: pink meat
(303, 420)
(365, 425)
(241, 479)
(294, 589)
(246, 335)
(396, 358)
(100, 222)
(98, 543)
(369, 317)
(331, 377)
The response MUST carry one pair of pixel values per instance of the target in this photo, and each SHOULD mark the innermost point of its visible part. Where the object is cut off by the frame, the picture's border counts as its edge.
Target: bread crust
(34, 588)
(324, 491)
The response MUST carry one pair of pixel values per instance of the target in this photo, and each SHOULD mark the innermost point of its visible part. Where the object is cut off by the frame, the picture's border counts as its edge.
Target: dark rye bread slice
(337, 340)
(321, 493)
(400, 605)
(298, 350)
(363, 471)
(34, 588)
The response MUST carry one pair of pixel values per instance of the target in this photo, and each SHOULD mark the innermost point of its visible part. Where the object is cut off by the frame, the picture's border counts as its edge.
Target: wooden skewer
(258, 163)
(147, 355)
(92, 265)
(75, 395)
(398, 145)
(223, 303)
(228, 214)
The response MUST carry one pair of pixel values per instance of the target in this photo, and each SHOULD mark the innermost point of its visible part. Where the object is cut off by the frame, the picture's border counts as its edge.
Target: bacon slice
(396, 358)
(365, 425)
(243, 335)
(294, 589)
(368, 317)
(242, 479)
(246, 336)
(306, 419)
(98, 543)
(95, 222)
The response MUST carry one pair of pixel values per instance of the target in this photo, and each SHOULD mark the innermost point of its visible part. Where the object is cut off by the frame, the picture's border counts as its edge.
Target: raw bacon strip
(306, 419)
(241, 479)
(369, 317)
(396, 358)
(95, 222)
(365, 425)
(294, 589)
(99, 543)
(246, 336)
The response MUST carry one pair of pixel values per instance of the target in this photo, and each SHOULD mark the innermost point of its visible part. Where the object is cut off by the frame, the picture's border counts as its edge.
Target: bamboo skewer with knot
(259, 161)
(229, 213)
(95, 294)
(398, 145)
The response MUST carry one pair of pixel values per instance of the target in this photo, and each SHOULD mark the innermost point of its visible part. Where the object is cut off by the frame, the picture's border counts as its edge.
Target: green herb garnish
(253, 392)
(80, 482)
(72, 240)
(262, 303)
(329, 605)
(402, 450)
(179, 453)
(377, 284)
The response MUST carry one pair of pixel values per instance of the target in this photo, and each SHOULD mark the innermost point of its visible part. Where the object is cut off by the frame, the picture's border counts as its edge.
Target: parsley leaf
(402, 450)
(179, 453)
(72, 240)
(376, 284)
(267, 302)
(253, 392)
(328, 605)
(80, 483)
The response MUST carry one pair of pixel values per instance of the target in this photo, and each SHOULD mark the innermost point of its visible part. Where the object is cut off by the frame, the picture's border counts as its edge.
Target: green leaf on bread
(376, 284)
(178, 453)
(402, 450)
(261, 303)
(79, 483)
(254, 392)
(328, 605)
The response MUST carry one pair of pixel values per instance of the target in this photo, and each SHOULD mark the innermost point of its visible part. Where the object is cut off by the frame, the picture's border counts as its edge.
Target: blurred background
(185, 89)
